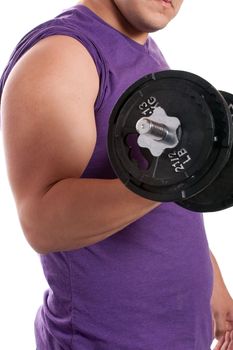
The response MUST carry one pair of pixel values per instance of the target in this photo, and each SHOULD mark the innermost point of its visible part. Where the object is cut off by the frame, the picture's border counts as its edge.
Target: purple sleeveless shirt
(148, 286)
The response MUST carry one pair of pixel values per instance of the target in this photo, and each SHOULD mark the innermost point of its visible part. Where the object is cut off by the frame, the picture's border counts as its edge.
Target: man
(124, 272)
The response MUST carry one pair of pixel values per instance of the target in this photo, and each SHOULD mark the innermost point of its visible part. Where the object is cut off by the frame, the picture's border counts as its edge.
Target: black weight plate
(204, 145)
(219, 194)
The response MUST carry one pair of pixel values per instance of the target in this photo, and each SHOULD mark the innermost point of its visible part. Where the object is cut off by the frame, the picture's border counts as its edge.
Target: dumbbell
(170, 139)
(219, 194)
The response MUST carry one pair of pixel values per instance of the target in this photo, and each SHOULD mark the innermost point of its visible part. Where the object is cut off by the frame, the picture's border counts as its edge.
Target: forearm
(79, 212)
(216, 271)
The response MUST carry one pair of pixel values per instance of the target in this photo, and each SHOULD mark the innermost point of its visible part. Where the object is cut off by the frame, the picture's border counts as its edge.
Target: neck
(108, 12)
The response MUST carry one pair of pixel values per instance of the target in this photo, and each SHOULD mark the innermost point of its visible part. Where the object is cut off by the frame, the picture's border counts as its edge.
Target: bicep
(49, 127)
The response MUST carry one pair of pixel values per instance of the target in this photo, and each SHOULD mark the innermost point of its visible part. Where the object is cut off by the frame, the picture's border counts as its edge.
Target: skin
(226, 342)
(222, 310)
(54, 205)
(135, 18)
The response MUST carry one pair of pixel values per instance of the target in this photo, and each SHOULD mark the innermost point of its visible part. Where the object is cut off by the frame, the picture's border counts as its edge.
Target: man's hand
(222, 310)
(226, 342)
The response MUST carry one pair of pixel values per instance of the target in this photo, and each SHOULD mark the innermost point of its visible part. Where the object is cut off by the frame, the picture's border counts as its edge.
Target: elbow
(34, 235)
(39, 247)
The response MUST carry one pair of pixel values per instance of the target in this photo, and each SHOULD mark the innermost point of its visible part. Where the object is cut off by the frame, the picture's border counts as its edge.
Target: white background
(198, 40)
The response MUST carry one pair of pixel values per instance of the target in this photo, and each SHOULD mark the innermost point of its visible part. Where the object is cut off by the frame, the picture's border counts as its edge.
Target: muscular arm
(48, 95)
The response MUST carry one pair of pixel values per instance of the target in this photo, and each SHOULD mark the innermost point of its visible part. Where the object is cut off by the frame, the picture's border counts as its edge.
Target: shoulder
(56, 52)
(55, 62)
